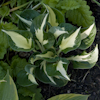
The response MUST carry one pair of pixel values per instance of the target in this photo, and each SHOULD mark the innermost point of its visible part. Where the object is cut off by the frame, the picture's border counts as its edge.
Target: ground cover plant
(43, 32)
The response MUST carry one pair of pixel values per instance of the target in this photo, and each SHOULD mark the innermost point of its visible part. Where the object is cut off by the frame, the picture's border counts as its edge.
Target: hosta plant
(51, 39)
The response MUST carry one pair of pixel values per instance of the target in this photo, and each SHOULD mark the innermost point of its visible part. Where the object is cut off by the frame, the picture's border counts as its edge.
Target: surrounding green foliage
(43, 30)
(70, 97)
(8, 87)
(77, 11)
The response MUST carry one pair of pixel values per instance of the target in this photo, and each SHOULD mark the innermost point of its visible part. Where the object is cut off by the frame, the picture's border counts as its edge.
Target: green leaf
(49, 40)
(2, 51)
(23, 79)
(58, 68)
(49, 55)
(21, 97)
(52, 17)
(14, 18)
(20, 40)
(18, 64)
(13, 2)
(51, 3)
(30, 71)
(21, 2)
(68, 27)
(61, 69)
(32, 91)
(57, 31)
(38, 27)
(4, 11)
(85, 61)
(69, 97)
(41, 75)
(59, 16)
(81, 16)
(68, 5)
(26, 16)
(3, 69)
(88, 37)
(8, 85)
(3, 38)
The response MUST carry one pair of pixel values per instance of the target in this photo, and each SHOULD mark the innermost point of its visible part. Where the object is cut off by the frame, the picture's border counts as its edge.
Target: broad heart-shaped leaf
(7, 88)
(20, 40)
(68, 42)
(86, 60)
(68, 5)
(81, 16)
(69, 97)
(23, 79)
(38, 26)
(28, 15)
(88, 37)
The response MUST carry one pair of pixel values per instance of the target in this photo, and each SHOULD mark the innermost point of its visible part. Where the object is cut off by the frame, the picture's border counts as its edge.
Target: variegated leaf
(85, 61)
(70, 42)
(19, 40)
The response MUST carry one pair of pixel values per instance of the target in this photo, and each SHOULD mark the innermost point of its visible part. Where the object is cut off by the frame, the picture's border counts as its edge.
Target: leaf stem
(96, 2)
(4, 4)
(40, 46)
(13, 9)
(59, 51)
(36, 6)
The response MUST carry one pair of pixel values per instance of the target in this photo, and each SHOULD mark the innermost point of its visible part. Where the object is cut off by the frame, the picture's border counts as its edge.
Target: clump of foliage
(48, 37)
(45, 33)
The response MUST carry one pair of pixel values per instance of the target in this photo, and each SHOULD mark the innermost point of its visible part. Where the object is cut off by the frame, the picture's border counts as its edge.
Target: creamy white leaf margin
(70, 41)
(44, 67)
(39, 31)
(59, 31)
(24, 20)
(61, 69)
(19, 40)
(87, 32)
(32, 79)
(91, 57)
(31, 76)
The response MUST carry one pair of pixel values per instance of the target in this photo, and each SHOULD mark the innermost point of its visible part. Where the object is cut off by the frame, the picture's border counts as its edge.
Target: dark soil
(83, 81)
